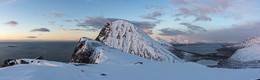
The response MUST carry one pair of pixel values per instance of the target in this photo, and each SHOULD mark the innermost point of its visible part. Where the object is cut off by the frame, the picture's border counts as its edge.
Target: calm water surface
(200, 49)
(53, 51)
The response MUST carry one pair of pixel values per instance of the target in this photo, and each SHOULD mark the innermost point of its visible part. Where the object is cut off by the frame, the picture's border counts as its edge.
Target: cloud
(61, 25)
(154, 7)
(179, 2)
(40, 30)
(52, 22)
(11, 23)
(148, 31)
(8, 2)
(99, 22)
(237, 32)
(193, 27)
(177, 19)
(203, 18)
(76, 20)
(58, 15)
(67, 20)
(172, 32)
(202, 8)
(151, 16)
(31, 37)
(78, 30)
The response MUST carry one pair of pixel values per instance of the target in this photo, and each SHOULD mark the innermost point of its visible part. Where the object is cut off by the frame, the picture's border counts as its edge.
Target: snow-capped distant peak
(248, 42)
(131, 39)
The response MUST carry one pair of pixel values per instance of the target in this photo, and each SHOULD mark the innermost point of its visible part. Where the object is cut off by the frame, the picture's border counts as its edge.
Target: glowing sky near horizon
(195, 20)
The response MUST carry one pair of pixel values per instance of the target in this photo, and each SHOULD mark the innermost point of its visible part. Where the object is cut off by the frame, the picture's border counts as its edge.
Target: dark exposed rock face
(24, 62)
(9, 62)
(103, 33)
(85, 52)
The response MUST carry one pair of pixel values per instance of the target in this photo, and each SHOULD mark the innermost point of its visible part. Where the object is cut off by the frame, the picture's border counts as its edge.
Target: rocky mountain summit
(129, 38)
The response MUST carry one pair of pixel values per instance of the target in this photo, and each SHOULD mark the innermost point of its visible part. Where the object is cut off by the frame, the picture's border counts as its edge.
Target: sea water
(53, 51)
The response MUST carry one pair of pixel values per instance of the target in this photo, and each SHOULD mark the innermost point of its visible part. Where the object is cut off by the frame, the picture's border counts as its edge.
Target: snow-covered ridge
(164, 43)
(127, 37)
(248, 42)
(251, 53)
(92, 51)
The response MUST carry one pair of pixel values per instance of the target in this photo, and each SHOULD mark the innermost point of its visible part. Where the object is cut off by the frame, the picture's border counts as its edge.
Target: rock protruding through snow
(86, 52)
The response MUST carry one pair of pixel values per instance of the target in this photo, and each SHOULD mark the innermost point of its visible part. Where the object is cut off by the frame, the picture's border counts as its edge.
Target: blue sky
(195, 20)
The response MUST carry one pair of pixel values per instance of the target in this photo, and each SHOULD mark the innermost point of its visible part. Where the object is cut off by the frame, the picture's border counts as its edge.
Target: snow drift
(127, 37)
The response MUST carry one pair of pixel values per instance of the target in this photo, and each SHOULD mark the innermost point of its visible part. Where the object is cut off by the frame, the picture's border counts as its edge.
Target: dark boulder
(40, 57)
(9, 62)
(24, 62)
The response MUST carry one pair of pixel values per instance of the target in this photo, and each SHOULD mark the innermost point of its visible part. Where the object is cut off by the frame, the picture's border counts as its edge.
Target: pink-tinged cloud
(11, 23)
(148, 31)
(76, 20)
(56, 14)
(179, 1)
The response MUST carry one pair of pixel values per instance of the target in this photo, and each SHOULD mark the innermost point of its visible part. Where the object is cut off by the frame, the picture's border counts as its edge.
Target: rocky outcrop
(86, 52)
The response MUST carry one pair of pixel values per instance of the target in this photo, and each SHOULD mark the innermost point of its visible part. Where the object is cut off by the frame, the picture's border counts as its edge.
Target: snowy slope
(248, 42)
(115, 69)
(164, 43)
(127, 37)
(251, 53)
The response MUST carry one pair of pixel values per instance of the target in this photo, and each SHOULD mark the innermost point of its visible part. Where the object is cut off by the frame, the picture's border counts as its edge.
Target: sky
(194, 20)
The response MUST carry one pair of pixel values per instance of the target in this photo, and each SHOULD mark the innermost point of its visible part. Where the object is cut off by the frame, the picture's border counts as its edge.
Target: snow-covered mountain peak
(251, 53)
(249, 42)
(131, 39)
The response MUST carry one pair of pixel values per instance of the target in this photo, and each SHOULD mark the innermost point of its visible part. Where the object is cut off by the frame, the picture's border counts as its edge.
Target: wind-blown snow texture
(251, 53)
(248, 42)
(129, 38)
(164, 43)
